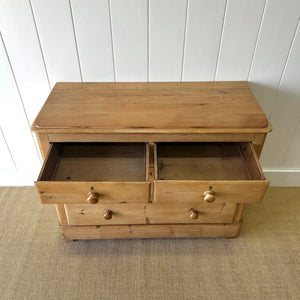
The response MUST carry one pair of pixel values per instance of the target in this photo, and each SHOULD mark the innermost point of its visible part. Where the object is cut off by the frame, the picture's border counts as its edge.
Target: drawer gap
(206, 161)
(110, 162)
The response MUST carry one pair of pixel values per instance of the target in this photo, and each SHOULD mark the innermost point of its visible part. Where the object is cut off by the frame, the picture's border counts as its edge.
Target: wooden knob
(92, 198)
(194, 214)
(107, 214)
(209, 196)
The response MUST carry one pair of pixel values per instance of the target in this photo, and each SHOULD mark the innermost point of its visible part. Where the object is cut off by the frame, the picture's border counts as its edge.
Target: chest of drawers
(143, 160)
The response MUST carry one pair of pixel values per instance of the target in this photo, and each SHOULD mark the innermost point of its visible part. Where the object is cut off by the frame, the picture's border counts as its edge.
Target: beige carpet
(262, 263)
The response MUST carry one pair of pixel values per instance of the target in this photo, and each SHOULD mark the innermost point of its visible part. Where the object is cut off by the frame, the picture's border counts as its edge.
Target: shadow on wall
(283, 110)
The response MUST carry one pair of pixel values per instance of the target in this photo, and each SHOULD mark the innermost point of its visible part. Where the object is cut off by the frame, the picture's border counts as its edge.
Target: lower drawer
(156, 213)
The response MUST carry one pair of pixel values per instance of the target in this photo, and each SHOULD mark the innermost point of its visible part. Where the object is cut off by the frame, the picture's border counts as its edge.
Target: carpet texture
(262, 263)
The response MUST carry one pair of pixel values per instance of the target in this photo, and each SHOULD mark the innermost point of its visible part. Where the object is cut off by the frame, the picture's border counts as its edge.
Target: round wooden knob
(194, 214)
(107, 214)
(92, 198)
(209, 196)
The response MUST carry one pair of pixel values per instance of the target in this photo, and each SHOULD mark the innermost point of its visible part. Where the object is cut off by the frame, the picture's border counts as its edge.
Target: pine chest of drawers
(143, 160)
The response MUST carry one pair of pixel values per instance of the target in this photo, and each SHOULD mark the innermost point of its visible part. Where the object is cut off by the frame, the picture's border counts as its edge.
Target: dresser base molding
(71, 233)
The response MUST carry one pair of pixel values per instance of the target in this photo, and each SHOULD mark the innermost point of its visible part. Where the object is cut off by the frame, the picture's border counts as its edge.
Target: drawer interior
(95, 162)
(207, 161)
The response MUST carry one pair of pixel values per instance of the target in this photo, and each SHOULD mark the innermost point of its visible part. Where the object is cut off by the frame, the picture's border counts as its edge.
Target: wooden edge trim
(49, 154)
(238, 212)
(256, 160)
(61, 213)
(44, 144)
(38, 129)
(147, 161)
(155, 162)
(211, 182)
(149, 231)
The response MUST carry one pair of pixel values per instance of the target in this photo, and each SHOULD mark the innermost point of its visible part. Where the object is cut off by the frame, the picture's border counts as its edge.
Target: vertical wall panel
(44, 41)
(166, 40)
(21, 41)
(292, 157)
(55, 28)
(13, 120)
(281, 149)
(274, 41)
(203, 32)
(241, 25)
(93, 35)
(129, 30)
(6, 162)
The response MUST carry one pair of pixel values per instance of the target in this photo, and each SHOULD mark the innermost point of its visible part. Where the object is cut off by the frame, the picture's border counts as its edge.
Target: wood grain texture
(207, 161)
(59, 192)
(203, 33)
(149, 231)
(110, 162)
(217, 136)
(61, 213)
(229, 191)
(92, 29)
(150, 107)
(44, 144)
(158, 213)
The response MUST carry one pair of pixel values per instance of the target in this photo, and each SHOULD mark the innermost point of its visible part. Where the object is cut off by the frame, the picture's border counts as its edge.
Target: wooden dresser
(144, 160)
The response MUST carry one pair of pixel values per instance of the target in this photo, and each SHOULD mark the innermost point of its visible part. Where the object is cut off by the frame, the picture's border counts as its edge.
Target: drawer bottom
(71, 233)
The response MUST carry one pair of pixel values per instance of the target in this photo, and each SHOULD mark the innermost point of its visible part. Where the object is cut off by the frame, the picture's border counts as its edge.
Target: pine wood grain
(59, 192)
(71, 233)
(158, 213)
(237, 191)
(150, 107)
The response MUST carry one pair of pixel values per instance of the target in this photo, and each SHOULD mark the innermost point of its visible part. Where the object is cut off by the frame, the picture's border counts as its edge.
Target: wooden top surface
(177, 107)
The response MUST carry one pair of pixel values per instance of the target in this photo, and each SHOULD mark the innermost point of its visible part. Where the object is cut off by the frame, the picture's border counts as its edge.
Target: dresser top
(166, 107)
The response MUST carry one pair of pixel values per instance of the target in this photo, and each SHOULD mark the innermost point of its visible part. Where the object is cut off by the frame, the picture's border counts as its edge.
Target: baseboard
(18, 178)
(283, 177)
(26, 178)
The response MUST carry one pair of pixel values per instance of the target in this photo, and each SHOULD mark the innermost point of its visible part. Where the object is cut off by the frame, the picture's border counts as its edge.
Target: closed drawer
(209, 172)
(158, 213)
(94, 172)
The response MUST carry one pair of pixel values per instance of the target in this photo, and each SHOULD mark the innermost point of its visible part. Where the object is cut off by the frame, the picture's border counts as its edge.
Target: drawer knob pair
(209, 196)
(92, 197)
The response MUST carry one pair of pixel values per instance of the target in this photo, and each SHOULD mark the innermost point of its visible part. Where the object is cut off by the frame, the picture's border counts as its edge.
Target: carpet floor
(262, 263)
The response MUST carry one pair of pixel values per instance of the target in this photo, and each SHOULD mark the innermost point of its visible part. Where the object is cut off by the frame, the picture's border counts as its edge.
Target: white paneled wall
(45, 41)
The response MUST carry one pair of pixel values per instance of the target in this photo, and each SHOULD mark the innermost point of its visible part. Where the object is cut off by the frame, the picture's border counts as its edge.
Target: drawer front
(163, 213)
(51, 192)
(207, 172)
(95, 172)
(228, 191)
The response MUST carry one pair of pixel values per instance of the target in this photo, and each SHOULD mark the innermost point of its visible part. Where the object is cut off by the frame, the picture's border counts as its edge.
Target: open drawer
(209, 172)
(75, 173)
